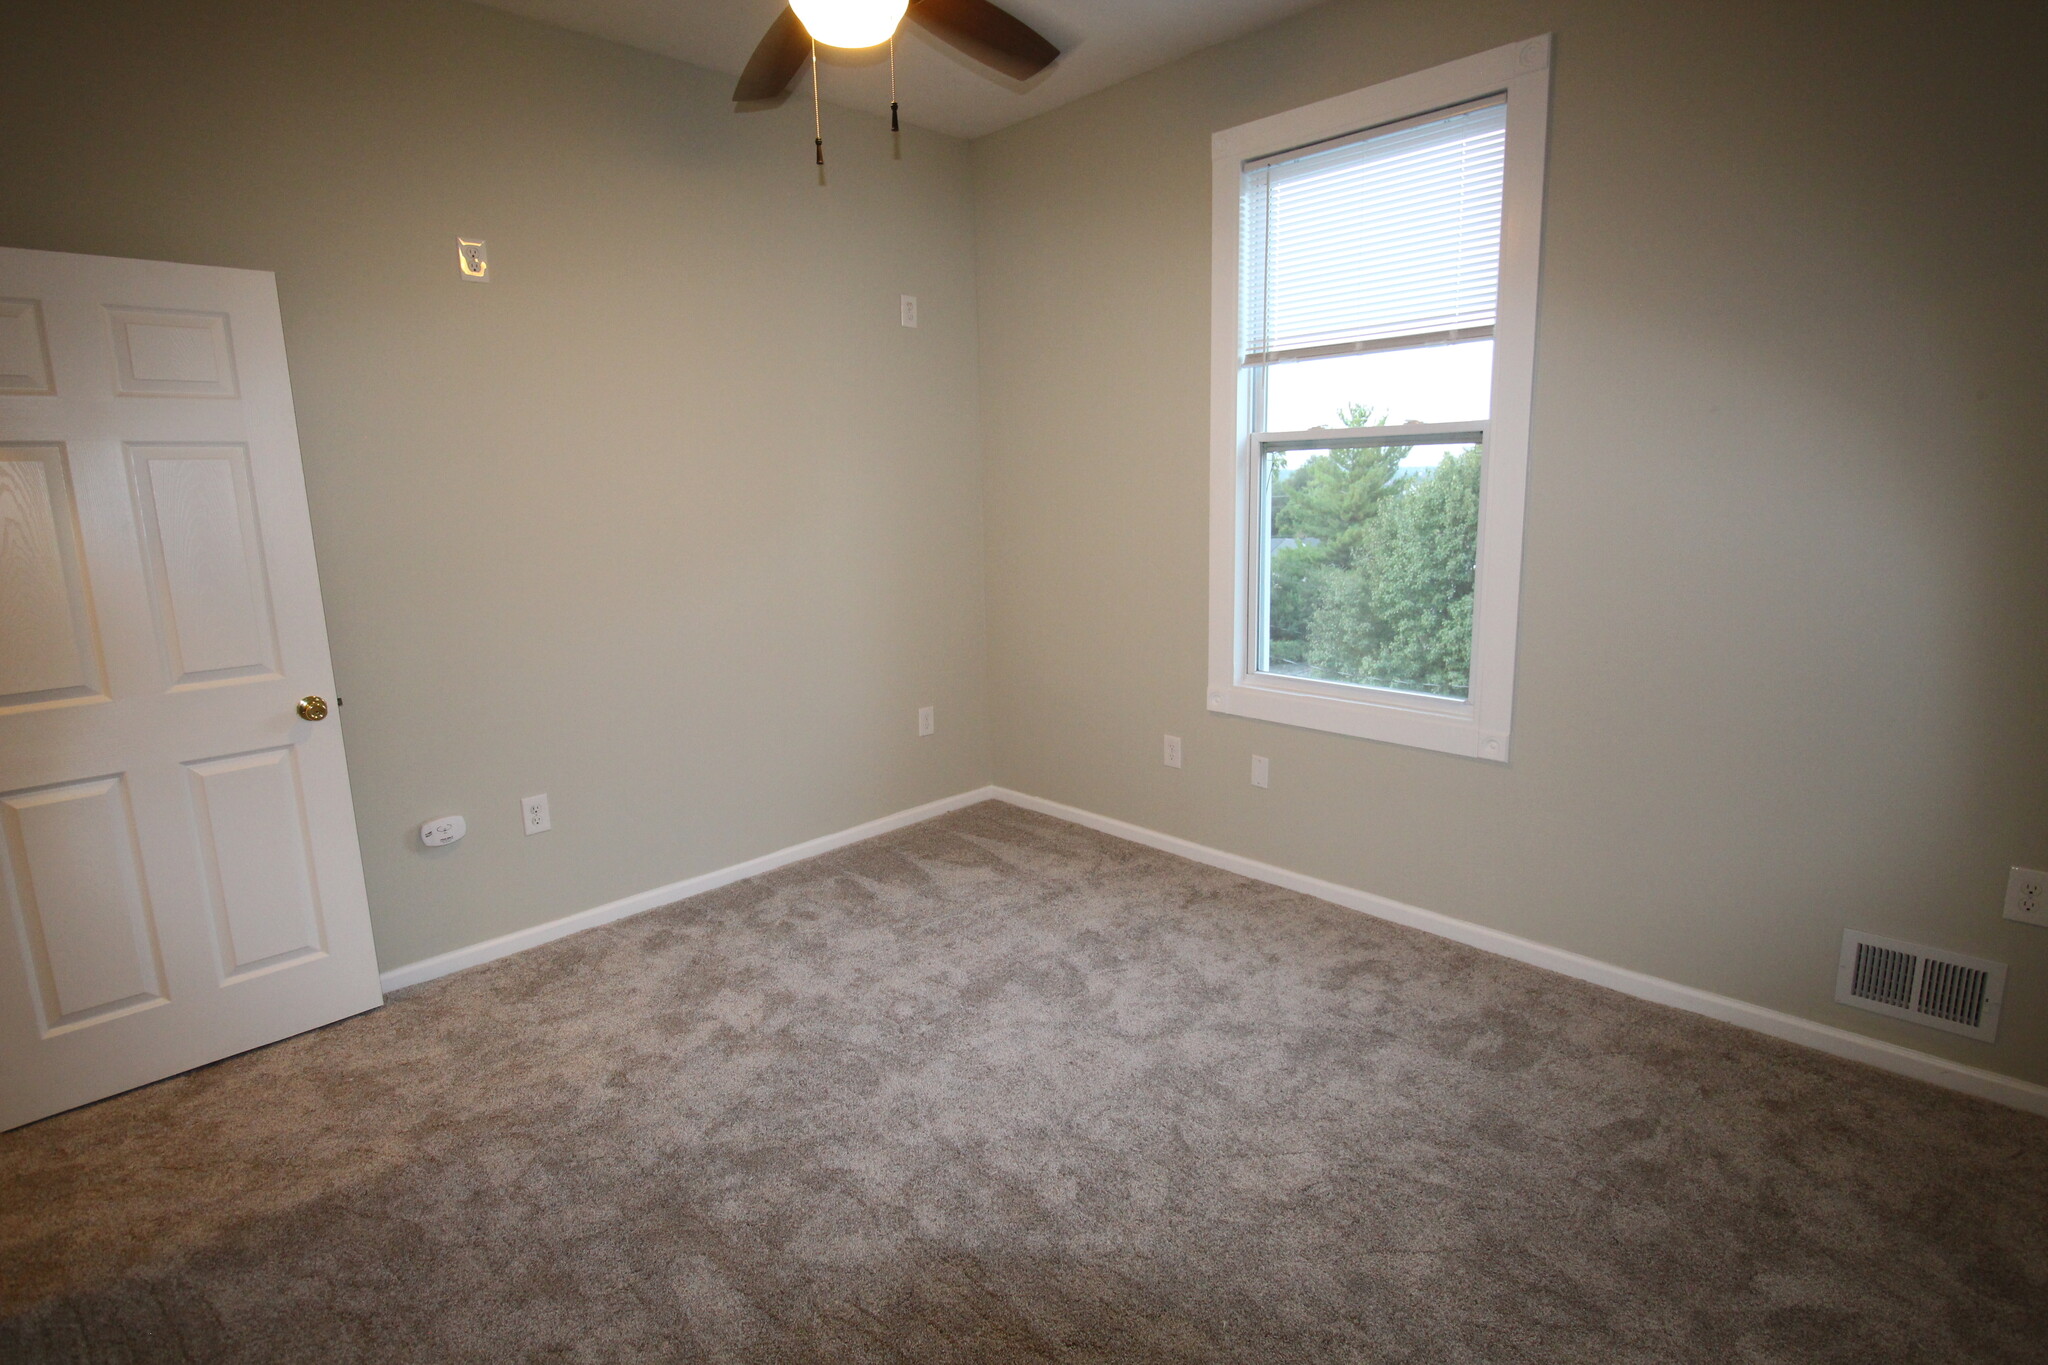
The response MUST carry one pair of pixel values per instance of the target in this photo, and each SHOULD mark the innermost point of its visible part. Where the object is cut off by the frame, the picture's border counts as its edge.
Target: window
(1374, 334)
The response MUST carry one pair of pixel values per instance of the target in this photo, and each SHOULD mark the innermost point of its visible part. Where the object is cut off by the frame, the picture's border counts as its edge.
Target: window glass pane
(1366, 566)
(1420, 384)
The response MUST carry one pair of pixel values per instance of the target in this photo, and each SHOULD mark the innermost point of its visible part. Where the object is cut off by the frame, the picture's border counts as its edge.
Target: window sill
(1392, 717)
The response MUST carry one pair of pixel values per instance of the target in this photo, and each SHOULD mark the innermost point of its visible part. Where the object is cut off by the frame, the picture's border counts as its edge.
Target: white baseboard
(1905, 1061)
(490, 950)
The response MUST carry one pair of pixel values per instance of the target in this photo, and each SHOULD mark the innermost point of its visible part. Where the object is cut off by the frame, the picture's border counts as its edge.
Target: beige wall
(1782, 666)
(672, 520)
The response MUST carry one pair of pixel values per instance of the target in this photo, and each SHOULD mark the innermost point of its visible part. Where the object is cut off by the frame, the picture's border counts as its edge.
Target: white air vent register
(1928, 986)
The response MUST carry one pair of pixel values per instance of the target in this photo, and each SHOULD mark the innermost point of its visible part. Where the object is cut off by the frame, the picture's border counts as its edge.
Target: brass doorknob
(313, 708)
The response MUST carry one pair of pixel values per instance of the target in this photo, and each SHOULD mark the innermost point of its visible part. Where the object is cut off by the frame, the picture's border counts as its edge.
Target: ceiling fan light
(850, 23)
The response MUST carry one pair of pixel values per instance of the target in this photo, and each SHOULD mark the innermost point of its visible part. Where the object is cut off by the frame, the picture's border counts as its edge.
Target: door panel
(171, 354)
(74, 885)
(24, 352)
(252, 819)
(177, 847)
(205, 562)
(45, 606)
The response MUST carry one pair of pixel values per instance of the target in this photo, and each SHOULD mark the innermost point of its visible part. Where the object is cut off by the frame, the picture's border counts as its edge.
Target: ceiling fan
(992, 36)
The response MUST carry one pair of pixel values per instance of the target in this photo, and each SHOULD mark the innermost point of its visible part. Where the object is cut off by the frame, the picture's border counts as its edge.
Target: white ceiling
(1101, 42)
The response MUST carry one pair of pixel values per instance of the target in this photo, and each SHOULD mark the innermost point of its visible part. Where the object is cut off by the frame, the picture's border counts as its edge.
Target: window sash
(1258, 562)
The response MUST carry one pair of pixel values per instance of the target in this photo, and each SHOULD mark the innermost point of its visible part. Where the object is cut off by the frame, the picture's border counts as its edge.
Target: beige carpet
(996, 1088)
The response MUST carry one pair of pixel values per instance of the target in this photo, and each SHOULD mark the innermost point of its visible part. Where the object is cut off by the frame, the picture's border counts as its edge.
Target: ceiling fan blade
(784, 48)
(990, 35)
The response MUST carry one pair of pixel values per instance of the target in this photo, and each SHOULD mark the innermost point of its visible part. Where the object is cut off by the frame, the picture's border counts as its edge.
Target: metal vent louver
(1928, 986)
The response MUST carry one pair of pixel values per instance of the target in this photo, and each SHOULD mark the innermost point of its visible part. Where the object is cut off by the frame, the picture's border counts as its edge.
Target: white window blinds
(1384, 236)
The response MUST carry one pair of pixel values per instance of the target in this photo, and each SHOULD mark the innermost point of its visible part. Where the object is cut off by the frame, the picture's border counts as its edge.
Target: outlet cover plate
(2026, 896)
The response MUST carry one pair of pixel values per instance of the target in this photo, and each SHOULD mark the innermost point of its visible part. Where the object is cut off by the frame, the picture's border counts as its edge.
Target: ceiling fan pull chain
(893, 126)
(817, 115)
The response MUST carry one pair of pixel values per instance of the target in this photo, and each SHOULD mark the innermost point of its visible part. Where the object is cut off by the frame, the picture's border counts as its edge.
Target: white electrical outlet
(533, 813)
(445, 830)
(2026, 896)
(473, 260)
(1260, 771)
(927, 721)
(1173, 751)
(910, 310)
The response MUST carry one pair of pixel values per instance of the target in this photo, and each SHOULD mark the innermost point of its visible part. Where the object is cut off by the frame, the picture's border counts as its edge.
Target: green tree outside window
(1371, 570)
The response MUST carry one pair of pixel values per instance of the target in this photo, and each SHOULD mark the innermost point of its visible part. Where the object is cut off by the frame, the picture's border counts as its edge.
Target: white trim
(520, 940)
(1903, 1061)
(1480, 730)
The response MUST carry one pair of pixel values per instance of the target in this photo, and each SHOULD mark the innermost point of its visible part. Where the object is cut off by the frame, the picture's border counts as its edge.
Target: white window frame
(1477, 727)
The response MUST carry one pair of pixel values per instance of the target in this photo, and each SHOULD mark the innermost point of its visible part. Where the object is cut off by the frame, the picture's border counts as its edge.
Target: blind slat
(1379, 236)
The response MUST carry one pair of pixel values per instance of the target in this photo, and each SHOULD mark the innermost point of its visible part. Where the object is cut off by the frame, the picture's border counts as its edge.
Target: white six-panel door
(179, 873)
